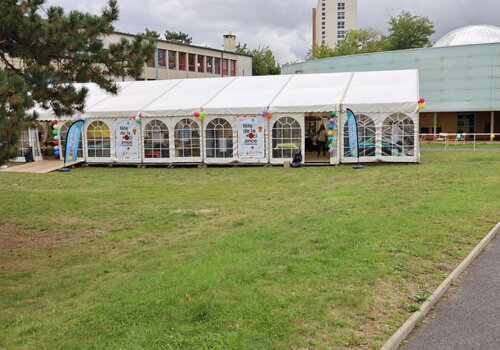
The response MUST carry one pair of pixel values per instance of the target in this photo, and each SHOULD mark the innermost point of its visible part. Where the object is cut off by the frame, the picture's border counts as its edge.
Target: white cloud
(283, 25)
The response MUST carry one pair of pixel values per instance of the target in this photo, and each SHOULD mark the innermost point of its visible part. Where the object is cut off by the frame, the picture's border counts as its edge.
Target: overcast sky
(283, 25)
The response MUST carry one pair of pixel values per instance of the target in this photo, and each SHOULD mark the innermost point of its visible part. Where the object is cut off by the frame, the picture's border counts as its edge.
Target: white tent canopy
(378, 92)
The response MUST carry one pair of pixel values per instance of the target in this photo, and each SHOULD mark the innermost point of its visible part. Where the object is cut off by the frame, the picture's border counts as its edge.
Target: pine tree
(41, 51)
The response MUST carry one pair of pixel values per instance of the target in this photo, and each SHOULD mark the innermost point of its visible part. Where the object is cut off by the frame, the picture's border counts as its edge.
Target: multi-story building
(332, 19)
(178, 61)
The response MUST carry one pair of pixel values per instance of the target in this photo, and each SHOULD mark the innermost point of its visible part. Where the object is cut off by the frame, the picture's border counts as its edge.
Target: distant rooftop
(469, 35)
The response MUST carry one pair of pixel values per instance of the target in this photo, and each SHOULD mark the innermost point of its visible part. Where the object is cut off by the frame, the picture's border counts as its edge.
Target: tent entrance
(315, 150)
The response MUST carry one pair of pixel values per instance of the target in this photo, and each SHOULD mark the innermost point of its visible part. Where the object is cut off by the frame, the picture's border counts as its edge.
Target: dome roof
(469, 35)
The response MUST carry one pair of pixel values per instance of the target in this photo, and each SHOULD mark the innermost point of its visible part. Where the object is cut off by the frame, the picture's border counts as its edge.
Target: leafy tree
(178, 37)
(361, 41)
(263, 60)
(40, 52)
(317, 52)
(407, 31)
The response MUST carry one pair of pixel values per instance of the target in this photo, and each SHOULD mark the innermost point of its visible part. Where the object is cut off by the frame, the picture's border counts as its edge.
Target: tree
(407, 31)
(317, 52)
(41, 52)
(180, 37)
(263, 60)
(361, 41)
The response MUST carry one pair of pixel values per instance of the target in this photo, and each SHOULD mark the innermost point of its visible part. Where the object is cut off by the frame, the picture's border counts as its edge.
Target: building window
(63, 132)
(340, 25)
(323, 42)
(340, 34)
(161, 58)
(191, 60)
(156, 140)
(219, 139)
(366, 137)
(341, 15)
(323, 14)
(210, 64)
(187, 139)
(151, 62)
(398, 136)
(232, 67)
(201, 64)
(466, 123)
(172, 62)
(323, 32)
(182, 61)
(323, 23)
(287, 137)
(98, 140)
(217, 65)
(224, 66)
(341, 6)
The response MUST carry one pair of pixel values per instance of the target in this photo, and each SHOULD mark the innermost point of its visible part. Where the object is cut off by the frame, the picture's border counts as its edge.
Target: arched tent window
(98, 140)
(287, 137)
(366, 137)
(187, 139)
(63, 132)
(398, 136)
(156, 143)
(219, 135)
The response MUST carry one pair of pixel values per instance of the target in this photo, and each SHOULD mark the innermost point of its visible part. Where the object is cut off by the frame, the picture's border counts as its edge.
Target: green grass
(459, 145)
(234, 258)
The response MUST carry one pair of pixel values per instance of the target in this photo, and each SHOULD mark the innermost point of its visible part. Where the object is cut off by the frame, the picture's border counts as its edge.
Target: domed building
(470, 35)
(459, 78)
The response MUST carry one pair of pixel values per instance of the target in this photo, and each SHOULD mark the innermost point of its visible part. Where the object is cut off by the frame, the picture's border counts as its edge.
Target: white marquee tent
(233, 128)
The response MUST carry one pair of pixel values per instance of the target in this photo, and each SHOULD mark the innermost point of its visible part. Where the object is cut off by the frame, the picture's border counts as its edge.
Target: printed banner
(127, 139)
(353, 133)
(251, 137)
(73, 141)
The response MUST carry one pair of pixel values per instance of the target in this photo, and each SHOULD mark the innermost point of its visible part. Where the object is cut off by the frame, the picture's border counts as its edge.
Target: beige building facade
(332, 19)
(180, 61)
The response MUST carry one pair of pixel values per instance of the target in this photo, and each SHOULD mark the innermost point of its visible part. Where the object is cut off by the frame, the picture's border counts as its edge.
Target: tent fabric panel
(247, 95)
(187, 97)
(312, 93)
(132, 98)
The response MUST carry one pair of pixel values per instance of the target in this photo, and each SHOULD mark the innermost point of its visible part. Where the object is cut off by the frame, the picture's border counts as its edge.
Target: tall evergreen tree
(41, 51)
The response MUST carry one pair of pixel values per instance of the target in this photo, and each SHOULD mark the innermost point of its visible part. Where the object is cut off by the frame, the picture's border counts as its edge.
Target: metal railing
(451, 139)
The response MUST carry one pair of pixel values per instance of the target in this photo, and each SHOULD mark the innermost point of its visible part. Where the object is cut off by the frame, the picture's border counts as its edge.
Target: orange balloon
(269, 115)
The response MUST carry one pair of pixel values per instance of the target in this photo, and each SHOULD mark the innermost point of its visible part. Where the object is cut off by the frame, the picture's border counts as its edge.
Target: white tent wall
(166, 107)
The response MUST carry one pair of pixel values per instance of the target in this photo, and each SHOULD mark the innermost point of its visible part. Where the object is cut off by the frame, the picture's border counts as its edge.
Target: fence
(450, 139)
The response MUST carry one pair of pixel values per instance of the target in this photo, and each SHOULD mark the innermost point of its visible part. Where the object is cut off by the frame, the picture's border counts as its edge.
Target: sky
(282, 25)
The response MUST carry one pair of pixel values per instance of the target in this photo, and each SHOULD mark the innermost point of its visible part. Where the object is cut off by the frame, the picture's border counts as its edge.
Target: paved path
(468, 318)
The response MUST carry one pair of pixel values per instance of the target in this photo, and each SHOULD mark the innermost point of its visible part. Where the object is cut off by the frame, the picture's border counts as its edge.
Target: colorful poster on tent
(73, 141)
(127, 139)
(352, 127)
(251, 137)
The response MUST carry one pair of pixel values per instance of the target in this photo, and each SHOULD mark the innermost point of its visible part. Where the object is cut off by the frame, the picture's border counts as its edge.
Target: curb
(409, 325)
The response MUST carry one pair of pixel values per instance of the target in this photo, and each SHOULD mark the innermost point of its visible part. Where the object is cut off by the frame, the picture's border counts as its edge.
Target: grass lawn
(459, 145)
(234, 258)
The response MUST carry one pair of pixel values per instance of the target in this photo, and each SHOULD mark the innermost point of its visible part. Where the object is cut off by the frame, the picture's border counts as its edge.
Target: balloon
(330, 138)
(202, 114)
(332, 120)
(56, 148)
(79, 118)
(56, 143)
(492, 136)
(57, 126)
(55, 132)
(330, 145)
(54, 121)
(265, 112)
(422, 105)
(200, 118)
(459, 137)
(434, 137)
(196, 114)
(56, 138)
(422, 100)
(269, 115)
(56, 153)
(138, 120)
(331, 150)
(334, 114)
(330, 126)
(330, 133)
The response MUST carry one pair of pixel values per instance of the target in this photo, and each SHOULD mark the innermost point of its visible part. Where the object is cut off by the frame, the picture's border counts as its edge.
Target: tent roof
(388, 91)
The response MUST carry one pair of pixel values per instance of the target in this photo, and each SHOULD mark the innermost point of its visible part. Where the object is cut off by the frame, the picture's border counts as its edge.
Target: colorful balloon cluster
(266, 114)
(55, 132)
(331, 127)
(137, 118)
(421, 103)
(199, 115)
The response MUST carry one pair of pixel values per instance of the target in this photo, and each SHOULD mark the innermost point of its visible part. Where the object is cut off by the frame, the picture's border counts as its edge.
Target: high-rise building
(332, 19)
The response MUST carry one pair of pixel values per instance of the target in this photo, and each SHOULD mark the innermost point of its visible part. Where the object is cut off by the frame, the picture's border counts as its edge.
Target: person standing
(322, 135)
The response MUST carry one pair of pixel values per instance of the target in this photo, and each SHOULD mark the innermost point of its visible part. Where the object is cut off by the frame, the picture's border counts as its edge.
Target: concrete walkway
(468, 317)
